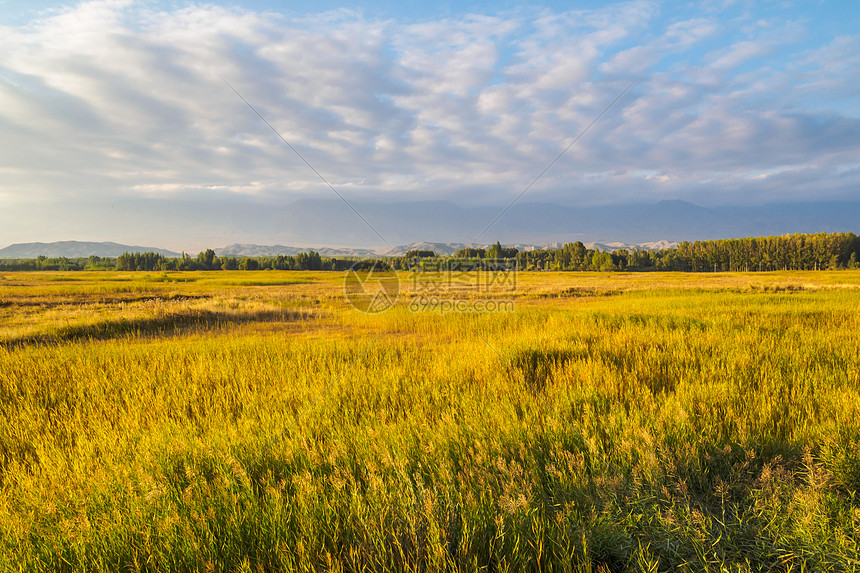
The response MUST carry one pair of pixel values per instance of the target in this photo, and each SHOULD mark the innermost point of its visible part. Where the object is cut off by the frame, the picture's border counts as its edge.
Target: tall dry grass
(611, 423)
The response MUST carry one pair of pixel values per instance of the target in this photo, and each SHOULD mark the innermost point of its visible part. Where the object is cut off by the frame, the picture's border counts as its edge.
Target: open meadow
(254, 421)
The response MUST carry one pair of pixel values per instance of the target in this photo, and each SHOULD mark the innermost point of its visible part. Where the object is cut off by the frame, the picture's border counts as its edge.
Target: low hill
(73, 249)
(251, 250)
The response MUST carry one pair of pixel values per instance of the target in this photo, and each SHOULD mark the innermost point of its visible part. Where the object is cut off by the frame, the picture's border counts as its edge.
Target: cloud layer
(113, 100)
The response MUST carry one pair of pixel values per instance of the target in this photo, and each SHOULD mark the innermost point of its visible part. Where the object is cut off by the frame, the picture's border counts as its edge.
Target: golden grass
(253, 421)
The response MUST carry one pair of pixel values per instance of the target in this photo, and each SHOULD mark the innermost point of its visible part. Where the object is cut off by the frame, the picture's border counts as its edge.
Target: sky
(117, 112)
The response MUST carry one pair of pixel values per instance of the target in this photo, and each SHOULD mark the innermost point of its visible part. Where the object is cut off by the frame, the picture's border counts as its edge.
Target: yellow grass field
(255, 421)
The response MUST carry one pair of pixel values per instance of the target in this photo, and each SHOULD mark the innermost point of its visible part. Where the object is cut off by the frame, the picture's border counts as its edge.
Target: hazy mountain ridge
(251, 250)
(445, 227)
(254, 250)
(331, 222)
(75, 249)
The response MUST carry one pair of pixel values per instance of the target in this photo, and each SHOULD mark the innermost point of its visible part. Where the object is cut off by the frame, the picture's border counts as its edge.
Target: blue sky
(110, 103)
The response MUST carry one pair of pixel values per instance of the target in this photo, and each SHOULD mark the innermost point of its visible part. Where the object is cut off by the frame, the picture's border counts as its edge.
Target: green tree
(249, 264)
(470, 253)
(418, 254)
(497, 251)
(314, 261)
(206, 259)
(602, 261)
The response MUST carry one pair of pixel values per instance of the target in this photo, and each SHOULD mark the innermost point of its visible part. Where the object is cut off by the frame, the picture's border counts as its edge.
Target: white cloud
(110, 99)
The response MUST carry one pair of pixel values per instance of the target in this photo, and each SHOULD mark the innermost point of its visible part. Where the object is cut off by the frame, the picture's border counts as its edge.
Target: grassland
(255, 422)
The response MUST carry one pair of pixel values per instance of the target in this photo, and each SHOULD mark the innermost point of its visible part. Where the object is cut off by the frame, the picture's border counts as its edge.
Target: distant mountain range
(448, 226)
(72, 249)
(252, 250)
(331, 222)
(243, 250)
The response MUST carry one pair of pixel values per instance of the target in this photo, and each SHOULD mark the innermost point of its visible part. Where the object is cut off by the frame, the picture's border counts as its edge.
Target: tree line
(208, 261)
(43, 263)
(819, 251)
